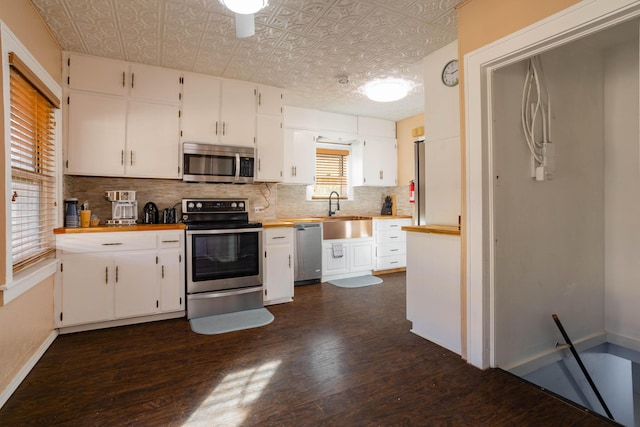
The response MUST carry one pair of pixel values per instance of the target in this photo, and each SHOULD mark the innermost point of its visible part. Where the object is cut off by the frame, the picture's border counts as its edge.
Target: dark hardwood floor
(333, 357)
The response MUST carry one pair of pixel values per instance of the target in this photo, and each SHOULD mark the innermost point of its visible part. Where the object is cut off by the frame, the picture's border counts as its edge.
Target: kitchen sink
(346, 227)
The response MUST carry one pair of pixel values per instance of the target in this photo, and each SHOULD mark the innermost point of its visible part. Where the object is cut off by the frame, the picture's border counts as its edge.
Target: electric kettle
(150, 213)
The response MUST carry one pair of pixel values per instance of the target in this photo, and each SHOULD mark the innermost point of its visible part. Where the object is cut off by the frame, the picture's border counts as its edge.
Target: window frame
(339, 147)
(16, 284)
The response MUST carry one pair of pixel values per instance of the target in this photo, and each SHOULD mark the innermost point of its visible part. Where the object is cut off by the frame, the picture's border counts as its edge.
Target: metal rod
(582, 367)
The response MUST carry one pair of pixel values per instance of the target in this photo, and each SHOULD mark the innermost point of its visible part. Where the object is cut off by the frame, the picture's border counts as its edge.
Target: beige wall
(27, 320)
(406, 169)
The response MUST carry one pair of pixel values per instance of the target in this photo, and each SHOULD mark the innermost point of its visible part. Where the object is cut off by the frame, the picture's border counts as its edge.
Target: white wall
(622, 194)
(442, 137)
(550, 235)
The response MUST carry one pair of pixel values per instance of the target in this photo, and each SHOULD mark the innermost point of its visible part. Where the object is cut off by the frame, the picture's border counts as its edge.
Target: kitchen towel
(337, 249)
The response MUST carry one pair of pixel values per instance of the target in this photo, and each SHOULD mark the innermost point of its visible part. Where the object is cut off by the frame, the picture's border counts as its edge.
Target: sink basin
(346, 227)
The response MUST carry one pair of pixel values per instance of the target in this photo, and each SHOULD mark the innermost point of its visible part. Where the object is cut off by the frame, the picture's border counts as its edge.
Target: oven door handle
(237, 166)
(224, 231)
(220, 294)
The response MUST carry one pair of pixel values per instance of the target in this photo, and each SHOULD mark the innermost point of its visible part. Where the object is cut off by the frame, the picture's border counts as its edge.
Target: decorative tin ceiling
(302, 46)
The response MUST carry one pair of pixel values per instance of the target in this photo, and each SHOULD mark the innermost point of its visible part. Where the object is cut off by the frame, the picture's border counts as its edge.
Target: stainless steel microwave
(217, 163)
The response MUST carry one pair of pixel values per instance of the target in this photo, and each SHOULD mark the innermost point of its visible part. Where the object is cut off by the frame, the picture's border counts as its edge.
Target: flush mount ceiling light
(387, 90)
(245, 7)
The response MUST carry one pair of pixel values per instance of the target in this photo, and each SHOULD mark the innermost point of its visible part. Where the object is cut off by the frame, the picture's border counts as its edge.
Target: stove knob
(199, 205)
(190, 205)
(233, 204)
(241, 205)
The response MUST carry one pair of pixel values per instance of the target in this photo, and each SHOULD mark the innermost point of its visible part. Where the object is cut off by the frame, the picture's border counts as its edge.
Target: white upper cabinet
(152, 140)
(154, 83)
(216, 111)
(299, 157)
(96, 134)
(269, 149)
(269, 139)
(97, 74)
(200, 108)
(121, 119)
(270, 100)
(238, 113)
(375, 162)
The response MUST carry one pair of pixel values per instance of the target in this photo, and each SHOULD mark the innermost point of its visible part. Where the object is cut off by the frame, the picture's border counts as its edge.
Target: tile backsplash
(279, 200)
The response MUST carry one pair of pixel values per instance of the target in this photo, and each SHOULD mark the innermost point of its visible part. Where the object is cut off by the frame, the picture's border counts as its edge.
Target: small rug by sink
(228, 322)
(356, 282)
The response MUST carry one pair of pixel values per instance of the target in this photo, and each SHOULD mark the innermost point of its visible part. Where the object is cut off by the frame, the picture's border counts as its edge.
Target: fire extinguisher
(412, 188)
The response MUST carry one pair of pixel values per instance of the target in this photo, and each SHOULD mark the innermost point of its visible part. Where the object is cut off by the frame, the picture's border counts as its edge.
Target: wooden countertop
(111, 228)
(290, 222)
(433, 228)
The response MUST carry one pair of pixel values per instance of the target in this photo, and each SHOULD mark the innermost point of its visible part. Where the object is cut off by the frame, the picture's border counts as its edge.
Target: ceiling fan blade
(245, 25)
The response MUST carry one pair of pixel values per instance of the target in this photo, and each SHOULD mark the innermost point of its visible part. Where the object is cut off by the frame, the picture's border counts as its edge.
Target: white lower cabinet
(119, 275)
(347, 257)
(391, 243)
(278, 265)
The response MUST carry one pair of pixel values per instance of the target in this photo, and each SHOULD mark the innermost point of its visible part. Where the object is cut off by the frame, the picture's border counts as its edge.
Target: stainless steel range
(224, 268)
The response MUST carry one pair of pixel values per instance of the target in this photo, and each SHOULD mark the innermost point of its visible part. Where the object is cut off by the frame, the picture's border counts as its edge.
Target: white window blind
(331, 173)
(33, 181)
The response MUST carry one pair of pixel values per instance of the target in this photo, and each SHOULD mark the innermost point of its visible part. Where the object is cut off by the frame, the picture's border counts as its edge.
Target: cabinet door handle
(258, 165)
(224, 128)
(106, 275)
(216, 128)
(121, 157)
(123, 73)
(259, 99)
(289, 261)
(381, 174)
(163, 271)
(295, 171)
(132, 77)
(116, 274)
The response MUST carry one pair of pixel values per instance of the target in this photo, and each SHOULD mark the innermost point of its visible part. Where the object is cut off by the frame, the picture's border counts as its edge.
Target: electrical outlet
(258, 209)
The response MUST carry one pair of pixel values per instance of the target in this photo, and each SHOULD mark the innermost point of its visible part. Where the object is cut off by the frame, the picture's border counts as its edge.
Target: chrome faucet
(337, 202)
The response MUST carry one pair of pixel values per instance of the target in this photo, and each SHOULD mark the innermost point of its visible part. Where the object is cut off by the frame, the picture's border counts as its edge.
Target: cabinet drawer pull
(393, 237)
(278, 237)
(393, 225)
(394, 262)
(394, 250)
(170, 241)
(111, 244)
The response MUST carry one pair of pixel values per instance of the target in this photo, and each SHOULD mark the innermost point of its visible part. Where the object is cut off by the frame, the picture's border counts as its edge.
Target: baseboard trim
(121, 322)
(22, 374)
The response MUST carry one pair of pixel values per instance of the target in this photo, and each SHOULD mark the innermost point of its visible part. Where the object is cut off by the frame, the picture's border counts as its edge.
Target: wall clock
(450, 73)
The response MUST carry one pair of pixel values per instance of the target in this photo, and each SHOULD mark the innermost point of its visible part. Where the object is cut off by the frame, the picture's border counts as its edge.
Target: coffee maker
(124, 207)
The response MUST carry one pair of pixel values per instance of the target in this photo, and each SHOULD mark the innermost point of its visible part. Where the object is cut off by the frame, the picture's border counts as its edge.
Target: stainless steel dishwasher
(308, 247)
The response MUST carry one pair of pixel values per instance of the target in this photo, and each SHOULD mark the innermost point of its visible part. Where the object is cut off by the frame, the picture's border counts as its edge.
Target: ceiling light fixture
(387, 90)
(245, 7)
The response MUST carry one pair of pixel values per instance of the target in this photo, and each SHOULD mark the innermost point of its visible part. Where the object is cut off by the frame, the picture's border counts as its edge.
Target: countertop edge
(118, 228)
(452, 230)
